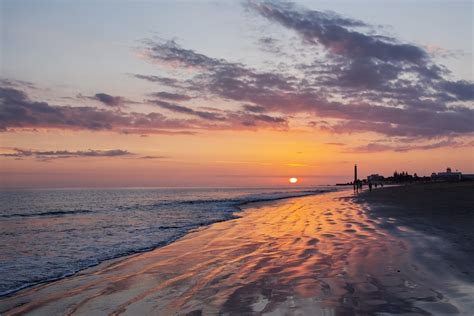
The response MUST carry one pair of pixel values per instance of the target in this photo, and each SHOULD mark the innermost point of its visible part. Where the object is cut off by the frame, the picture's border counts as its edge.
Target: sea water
(49, 234)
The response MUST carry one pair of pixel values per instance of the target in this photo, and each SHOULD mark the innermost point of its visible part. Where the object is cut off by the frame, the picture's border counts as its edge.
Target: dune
(325, 254)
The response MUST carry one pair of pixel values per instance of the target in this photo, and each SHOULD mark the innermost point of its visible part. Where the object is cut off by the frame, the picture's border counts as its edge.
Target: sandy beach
(327, 254)
(445, 210)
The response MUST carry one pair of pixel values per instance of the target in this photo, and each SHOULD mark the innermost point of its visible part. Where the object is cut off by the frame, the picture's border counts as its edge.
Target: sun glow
(293, 180)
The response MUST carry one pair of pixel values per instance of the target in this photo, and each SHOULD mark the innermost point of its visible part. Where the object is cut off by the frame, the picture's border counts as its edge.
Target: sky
(120, 93)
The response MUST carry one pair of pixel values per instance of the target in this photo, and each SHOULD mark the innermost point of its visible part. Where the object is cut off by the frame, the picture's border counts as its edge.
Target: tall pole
(355, 173)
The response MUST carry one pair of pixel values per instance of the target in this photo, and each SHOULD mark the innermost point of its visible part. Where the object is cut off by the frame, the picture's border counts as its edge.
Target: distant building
(468, 177)
(446, 176)
(375, 178)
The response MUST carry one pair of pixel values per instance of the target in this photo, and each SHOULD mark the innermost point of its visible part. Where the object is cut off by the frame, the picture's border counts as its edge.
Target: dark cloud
(57, 154)
(109, 100)
(462, 90)
(170, 52)
(17, 110)
(233, 119)
(249, 119)
(171, 82)
(153, 157)
(254, 108)
(336, 34)
(185, 110)
(361, 82)
(171, 96)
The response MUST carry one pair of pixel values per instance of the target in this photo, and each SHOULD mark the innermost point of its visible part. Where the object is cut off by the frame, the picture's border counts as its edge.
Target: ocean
(49, 234)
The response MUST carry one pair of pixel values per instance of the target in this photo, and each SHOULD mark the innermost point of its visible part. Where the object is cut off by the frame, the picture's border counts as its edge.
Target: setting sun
(293, 180)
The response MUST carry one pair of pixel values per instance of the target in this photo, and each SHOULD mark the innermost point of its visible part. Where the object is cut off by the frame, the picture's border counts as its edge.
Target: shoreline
(324, 252)
(237, 209)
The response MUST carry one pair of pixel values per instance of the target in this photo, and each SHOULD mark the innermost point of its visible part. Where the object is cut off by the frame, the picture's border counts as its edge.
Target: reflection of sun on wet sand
(313, 255)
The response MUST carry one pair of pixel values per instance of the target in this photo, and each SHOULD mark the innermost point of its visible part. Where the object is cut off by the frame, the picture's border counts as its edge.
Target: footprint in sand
(307, 252)
(350, 230)
(312, 241)
(328, 235)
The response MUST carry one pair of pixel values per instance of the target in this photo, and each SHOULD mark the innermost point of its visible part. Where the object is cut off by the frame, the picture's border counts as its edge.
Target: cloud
(270, 45)
(171, 96)
(18, 111)
(462, 90)
(60, 154)
(182, 109)
(172, 54)
(249, 119)
(354, 79)
(108, 100)
(12, 83)
(170, 82)
(233, 119)
(344, 78)
(380, 147)
(254, 108)
(153, 157)
(336, 34)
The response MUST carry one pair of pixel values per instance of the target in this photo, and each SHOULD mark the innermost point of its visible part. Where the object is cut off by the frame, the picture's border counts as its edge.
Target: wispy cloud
(335, 144)
(19, 153)
(359, 81)
(380, 146)
(171, 96)
(17, 110)
(186, 110)
(108, 100)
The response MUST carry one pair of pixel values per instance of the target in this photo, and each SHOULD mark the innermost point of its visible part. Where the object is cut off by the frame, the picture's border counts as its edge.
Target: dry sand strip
(316, 255)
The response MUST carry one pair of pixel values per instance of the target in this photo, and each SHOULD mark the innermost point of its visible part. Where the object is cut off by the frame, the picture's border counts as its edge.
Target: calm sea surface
(49, 234)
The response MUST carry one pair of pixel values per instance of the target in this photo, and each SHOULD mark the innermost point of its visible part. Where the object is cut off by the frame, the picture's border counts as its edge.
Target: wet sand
(441, 209)
(318, 255)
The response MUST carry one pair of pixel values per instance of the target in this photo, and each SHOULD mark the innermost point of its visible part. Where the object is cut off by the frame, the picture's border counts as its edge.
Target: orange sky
(262, 158)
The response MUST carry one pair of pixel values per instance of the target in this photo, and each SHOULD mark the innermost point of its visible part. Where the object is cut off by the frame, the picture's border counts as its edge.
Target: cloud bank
(364, 82)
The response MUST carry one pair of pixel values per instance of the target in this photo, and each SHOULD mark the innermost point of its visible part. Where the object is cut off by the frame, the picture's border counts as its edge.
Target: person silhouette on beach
(370, 186)
(357, 185)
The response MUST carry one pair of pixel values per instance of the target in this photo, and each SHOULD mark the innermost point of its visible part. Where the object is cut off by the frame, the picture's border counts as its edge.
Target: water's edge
(237, 208)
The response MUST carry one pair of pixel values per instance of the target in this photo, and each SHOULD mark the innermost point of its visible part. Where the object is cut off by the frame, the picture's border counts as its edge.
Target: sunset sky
(232, 93)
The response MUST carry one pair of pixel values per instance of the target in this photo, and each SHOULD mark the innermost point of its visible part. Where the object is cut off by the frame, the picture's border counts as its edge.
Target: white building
(446, 176)
(375, 178)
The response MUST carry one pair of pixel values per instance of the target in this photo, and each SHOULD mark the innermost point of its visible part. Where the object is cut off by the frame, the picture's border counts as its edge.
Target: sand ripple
(318, 255)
